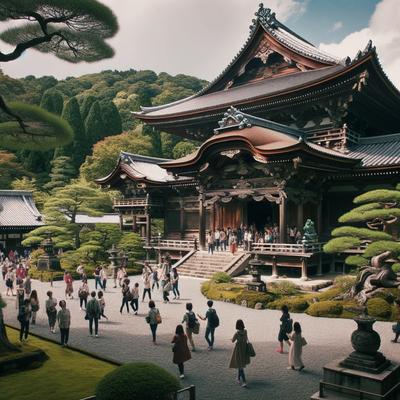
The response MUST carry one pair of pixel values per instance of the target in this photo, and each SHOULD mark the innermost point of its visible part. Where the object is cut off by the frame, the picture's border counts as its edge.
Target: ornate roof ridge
(123, 155)
(391, 137)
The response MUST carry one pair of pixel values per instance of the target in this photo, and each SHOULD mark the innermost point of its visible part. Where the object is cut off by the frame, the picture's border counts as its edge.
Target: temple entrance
(261, 214)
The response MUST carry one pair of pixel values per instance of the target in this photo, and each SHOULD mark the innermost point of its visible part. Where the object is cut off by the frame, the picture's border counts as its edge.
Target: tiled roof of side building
(17, 209)
(377, 151)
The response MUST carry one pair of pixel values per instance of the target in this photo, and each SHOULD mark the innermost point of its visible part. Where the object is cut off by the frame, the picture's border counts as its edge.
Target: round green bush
(327, 308)
(295, 304)
(221, 277)
(137, 381)
(379, 308)
(253, 297)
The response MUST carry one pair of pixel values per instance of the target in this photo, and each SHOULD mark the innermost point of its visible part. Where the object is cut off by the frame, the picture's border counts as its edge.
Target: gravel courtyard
(127, 338)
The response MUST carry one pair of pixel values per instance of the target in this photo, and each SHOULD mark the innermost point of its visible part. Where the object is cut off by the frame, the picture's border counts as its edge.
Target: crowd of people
(244, 237)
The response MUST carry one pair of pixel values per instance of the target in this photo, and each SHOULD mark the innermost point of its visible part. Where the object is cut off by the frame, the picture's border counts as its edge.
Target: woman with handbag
(33, 299)
(296, 348)
(153, 318)
(180, 349)
(240, 355)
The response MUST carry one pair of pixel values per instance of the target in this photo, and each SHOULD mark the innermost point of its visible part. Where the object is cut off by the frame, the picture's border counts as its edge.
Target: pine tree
(52, 101)
(80, 146)
(94, 124)
(62, 171)
(111, 119)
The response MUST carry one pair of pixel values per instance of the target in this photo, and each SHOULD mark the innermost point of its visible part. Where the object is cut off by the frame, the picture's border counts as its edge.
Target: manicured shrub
(295, 304)
(386, 295)
(221, 277)
(137, 381)
(344, 282)
(253, 297)
(330, 294)
(283, 288)
(221, 291)
(327, 308)
(379, 308)
(396, 267)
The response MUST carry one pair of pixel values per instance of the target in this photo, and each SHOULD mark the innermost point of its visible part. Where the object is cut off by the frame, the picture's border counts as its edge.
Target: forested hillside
(97, 106)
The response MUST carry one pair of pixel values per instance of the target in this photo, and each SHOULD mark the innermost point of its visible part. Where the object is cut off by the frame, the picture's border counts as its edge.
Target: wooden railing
(136, 202)
(326, 138)
(286, 248)
(172, 244)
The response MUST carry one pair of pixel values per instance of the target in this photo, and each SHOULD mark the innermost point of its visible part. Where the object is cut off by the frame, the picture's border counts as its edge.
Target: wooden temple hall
(285, 133)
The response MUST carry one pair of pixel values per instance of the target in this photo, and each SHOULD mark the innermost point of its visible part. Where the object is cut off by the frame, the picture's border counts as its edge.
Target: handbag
(196, 328)
(250, 350)
(303, 341)
(158, 318)
(147, 319)
(86, 317)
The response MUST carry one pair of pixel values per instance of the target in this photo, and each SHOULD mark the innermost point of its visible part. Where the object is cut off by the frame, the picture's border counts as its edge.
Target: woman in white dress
(296, 348)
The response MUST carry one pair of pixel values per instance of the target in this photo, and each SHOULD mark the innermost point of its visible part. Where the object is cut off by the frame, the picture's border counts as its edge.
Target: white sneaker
(182, 376)
(96, 335)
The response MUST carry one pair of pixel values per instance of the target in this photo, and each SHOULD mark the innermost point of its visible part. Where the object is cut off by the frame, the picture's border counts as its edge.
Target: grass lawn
(66, 375)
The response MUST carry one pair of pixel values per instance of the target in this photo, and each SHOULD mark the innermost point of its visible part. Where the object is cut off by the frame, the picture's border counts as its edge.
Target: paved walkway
(127, 338)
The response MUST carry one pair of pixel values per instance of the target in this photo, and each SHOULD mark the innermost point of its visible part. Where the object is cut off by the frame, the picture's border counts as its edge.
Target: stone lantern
(48, 261)
(254, 270)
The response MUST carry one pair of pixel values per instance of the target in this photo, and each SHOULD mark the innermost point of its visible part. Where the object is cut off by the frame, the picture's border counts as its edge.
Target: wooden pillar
(300, 216)
(182, 218)
(134, 223)
(148, 227)
(332, 266)
(319, 218)
(319, 265)
(202, 221)
(282, 220)
(212, 217)
(304, 275)
(274, 268)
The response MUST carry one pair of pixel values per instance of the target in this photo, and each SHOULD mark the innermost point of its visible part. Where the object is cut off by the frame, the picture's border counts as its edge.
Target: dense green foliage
(379, 211)
(62, 171)
(137, 381)
(379, 308)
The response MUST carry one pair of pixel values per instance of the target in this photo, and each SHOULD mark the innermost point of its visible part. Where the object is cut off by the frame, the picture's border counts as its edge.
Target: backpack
(213, 319)
(191, 320)
(289, 325)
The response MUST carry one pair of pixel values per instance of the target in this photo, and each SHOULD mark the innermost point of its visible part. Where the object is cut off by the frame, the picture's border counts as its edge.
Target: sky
(200, 37)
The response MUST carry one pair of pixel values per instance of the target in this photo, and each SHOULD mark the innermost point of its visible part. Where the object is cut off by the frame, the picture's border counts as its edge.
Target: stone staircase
(200, 264)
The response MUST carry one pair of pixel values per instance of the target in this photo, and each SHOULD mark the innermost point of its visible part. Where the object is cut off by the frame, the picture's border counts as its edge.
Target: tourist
(93, 314)
(167, 288)
(285, 328)
(20, 295)
(34, 301)
(155, 278)
(249, 240)
(51, 311)
(83, 294)
(245, 239)
(175, 283)
(191, 323)
(64, 322)
(292, 234)
(239, 234)
(9, 282)
(28, 285)
(298, 237)
(135, 298)
(4, 269)
(24, 316)
(165, 269)
(69, 287)
(233, 243)
(121, 275)
(240, 356)
(396, 327)
(296, 348)
(20, 273)
(217, 239)
(126, 296)
(80, 270)
(104, 277)
(102, 303)
(222, 239)
(212, 323)
(210, 242)
(180, 349)
(97, 278)
(146, 285)
(153, 318)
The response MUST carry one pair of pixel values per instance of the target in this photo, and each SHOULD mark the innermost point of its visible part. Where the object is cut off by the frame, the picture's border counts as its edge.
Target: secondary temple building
(286, 133)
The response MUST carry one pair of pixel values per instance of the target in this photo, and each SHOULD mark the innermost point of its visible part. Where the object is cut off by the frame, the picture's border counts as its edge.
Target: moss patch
(379, 308)
(326, 308)
(59, 378)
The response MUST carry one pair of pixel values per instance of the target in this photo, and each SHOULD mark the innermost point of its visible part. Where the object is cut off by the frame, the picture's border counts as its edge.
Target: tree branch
(3, 106)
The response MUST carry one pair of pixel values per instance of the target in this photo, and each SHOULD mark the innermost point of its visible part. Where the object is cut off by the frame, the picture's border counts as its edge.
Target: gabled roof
(140, 168)
(18, 210)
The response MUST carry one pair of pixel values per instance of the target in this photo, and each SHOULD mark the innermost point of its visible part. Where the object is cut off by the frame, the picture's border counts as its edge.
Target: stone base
(374, 364)
(344, 383)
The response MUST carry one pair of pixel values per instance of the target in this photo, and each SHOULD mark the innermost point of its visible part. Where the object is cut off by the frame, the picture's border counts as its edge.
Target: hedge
(295, 304)
(327, 308)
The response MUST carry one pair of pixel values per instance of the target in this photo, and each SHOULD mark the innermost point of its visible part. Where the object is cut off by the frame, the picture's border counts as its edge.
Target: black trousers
(148, 291)
(181, 368)
(96, 325)
(24, 330)
(64, 335)
(125, 302)
(135, 305)
(82, 300)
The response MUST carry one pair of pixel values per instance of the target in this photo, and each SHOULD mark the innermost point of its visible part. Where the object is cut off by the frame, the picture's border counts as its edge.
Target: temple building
(286, 133)
(18, 215)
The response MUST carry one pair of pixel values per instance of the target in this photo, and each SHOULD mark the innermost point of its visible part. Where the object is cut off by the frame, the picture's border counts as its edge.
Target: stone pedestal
(342, 383)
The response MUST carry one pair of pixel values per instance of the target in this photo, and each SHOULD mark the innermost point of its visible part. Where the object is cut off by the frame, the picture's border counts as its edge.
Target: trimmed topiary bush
(385, 295)
(221, 277)
(327, 308)
(295, 304)
(344, 282)
(137, 381)
(379, 308)
(283, 288)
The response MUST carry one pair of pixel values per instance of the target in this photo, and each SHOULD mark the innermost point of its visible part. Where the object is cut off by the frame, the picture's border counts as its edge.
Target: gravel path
(127, 338)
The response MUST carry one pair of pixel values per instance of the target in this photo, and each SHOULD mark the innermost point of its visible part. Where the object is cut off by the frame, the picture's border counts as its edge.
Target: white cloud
(384, 30)
(196, 37)
(337, 25)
